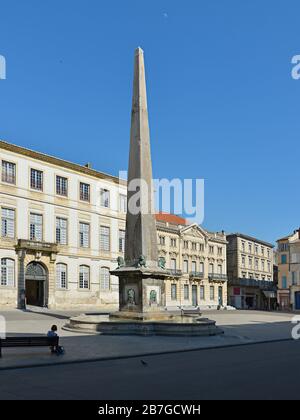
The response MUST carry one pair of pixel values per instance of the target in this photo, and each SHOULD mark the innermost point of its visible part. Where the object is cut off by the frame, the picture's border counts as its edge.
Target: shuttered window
(61, 231)
(7, 223)
(36, 179)
(104, 278)
(104, 238)
(7, 272)
(61, 276)
(84, 235)
(121, 240)
(36, 227)
(84, 277)
(8, 172)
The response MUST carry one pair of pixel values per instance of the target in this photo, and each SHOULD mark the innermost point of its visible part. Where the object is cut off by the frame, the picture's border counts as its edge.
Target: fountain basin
(169, 325)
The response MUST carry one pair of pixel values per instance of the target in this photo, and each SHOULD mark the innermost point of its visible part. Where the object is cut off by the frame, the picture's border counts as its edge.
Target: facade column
(21, 279)
(50, 289)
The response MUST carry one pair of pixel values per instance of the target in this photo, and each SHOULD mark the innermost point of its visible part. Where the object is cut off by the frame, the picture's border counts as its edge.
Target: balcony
(196, 274)
(174, 272)
(217, 277)
(261, 284)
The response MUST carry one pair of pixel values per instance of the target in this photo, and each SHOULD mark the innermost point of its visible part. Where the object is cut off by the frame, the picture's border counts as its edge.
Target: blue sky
(222, 103)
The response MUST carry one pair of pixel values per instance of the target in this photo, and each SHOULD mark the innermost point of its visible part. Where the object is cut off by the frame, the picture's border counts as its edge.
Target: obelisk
(141, 279)
(141, 237)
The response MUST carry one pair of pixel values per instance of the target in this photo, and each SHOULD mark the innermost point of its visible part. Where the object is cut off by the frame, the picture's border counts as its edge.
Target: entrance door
(194, 295)
(297, 300)
(35, 280)
(220, 295)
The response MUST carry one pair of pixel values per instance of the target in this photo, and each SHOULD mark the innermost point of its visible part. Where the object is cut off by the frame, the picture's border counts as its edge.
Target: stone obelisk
(141, 238)
(141, 279)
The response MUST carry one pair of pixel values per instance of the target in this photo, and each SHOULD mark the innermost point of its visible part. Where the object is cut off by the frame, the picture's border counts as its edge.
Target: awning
(270, 294)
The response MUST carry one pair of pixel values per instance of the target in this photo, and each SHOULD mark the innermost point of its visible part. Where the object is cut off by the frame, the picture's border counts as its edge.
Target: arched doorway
(36, 281)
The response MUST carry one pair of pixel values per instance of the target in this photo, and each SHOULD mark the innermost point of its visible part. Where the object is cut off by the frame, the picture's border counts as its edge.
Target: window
(174, 291)
(36, 179)
(122, 203)
(186, 244)
(173, 264)
(201, 247)
(283, 259)
(294, 280)
(284, 282)
(201, 267)
(256, 249)
(84, 235)
(104, 278)
(243, 262)
(250, 262)
(121, 240)
(220, 250)
(211, 249)
(243, 246)
(211, 269)
(84, 192)
(61, 276)
(61, 186)
(8, 172)
(202, 292)
(186, 292)
(269, 267)
(61, 231)
(36, 227)
(263, 250)
(104, 197)
(162, 240)
(84, 277)
(220, 269)
(194, 246)
(212, 293)
(256, 264)
(249, 248)
(194, 266)
(262, 265)
(185, 266)
(7, 272)
(104, 238)
(268, 252)
(7, 223)
(173, 242)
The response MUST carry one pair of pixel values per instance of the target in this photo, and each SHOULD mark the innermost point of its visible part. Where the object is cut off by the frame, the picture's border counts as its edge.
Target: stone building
(197, 260)
(63, 228)
(250, 272)
(288, 293)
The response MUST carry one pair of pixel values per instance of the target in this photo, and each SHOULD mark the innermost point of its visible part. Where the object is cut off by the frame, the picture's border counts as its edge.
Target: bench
(191, 311)
(36, 341)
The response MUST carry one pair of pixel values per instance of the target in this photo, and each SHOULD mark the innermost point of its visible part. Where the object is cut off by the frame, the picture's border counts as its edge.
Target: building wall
(24, 200)
(249, 260)
(289, 271)
(283, 292)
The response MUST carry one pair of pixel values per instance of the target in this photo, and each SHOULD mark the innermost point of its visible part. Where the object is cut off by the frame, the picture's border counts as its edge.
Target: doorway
(220, 295)
(194, 295)
(35, 280)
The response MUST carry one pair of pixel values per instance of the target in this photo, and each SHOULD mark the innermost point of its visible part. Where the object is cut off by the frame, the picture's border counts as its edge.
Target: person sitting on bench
(52, 333)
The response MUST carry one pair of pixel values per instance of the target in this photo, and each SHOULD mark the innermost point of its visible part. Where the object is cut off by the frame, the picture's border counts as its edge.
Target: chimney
(88, 165)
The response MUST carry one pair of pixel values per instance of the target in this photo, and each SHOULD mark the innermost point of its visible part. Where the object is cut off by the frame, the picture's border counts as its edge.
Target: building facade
(288, 293)
(63, 228)
(250, 272)
(197, 260)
